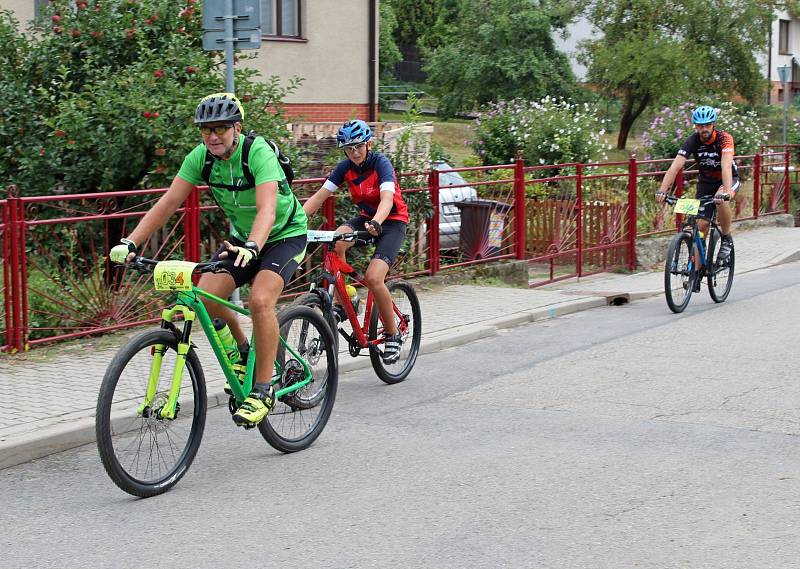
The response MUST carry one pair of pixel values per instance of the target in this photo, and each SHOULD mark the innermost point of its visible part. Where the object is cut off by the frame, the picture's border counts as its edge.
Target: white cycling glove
(119, 253)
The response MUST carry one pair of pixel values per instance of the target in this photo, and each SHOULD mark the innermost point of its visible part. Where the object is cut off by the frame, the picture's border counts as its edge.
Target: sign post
(229, 25)
(783, 73)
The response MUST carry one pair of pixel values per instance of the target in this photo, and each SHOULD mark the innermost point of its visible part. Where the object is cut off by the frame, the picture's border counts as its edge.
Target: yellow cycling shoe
(257, 406)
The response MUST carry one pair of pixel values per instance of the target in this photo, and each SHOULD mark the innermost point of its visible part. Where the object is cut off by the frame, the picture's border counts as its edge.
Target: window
(783, 36)
(281, 18)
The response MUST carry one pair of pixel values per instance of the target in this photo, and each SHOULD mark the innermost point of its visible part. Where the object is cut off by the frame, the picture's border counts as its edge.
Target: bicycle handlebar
(145, 265)
(332, 236)
(671, 199)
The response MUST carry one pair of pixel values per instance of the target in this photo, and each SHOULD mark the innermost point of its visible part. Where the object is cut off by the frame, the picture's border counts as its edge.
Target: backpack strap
(283, 160)
(205, 174)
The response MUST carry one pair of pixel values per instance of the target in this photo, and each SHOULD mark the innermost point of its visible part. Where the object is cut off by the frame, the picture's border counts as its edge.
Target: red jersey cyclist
(383, 213)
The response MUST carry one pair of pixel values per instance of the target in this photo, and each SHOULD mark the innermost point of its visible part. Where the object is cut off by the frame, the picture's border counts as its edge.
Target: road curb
(78, 429)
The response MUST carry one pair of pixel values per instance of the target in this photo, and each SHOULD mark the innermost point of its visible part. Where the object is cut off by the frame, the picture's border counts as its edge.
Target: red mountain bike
(368, 334)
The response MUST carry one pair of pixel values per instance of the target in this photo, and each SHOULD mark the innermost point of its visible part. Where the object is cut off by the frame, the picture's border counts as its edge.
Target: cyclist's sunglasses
(218, 130)
(355, 147)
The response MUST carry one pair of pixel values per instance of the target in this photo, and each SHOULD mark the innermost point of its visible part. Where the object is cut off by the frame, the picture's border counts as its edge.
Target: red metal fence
(566, 220)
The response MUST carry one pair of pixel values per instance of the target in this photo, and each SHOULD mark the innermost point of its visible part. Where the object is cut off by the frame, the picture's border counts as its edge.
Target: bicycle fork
(170, 407)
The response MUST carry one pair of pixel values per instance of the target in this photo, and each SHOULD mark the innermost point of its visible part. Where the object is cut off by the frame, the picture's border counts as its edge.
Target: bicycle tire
(408, 304)
(679, 279)
(720, 273)
(298, 418)
(315, 303)
(123, 434)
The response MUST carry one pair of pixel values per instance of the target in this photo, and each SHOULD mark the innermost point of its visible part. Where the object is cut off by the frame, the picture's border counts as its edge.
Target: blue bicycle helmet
(704, 115)
(353, 132)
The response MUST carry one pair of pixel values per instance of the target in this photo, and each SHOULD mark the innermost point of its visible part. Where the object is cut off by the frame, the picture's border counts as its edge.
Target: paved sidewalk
(452, 316)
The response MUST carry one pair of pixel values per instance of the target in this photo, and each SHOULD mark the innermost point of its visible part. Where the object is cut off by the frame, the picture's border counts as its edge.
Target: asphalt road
(618, 437)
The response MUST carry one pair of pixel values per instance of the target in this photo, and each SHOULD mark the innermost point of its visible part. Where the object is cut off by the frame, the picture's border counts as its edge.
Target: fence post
(6, 208)
(679, 193)
(633, 172)
(579, 220)
(329, 213)
(191, 226)
(14, 331)
(787, 186)
(756, 184)
(433, 225)
(520, 213)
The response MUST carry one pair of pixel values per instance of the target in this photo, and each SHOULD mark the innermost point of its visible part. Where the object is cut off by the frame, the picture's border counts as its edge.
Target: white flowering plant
(547, 131)
(673, 125)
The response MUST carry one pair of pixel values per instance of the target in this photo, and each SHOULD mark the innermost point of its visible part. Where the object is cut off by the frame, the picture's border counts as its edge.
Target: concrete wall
(332, 57)
(22, 8)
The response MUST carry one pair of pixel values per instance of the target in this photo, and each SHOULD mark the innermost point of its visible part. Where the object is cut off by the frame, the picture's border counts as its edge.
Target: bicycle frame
(189, 305)
(335, 269)
(699, 246)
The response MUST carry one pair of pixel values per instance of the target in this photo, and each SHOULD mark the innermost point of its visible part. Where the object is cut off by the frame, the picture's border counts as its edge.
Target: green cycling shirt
(240, 206)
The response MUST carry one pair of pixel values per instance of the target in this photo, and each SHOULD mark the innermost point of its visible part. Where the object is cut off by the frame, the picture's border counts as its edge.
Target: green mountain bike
(151, 409)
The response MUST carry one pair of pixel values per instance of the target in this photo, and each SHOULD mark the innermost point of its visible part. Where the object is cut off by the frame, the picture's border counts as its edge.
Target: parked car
(449, 214)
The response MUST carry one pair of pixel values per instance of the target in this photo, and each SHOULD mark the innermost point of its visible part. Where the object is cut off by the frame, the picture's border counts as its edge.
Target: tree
(101, 95)
(389, 54)
(414, 18)
(499, 49)
(651, 51)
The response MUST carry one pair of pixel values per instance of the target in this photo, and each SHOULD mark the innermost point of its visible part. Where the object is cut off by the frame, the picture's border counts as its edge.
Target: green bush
(104, 94)
(548, 131)
(673, 125)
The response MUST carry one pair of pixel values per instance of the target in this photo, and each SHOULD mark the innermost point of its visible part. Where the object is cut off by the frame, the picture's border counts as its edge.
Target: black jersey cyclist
(713, 150)
(268, 237)
(373, 187)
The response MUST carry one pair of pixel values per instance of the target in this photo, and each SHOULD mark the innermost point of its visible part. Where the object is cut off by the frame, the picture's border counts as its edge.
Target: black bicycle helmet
(219, 107)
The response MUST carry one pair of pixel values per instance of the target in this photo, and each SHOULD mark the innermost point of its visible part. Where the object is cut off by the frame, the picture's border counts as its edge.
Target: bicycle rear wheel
(679, 272)
(720, 272)
(299, 417)
(409, 323)
(145, 454)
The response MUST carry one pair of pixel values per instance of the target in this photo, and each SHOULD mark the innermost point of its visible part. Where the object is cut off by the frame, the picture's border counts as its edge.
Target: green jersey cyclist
(268, 237)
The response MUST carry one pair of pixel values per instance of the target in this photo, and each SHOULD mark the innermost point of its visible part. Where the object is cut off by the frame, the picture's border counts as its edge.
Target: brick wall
(327, 112)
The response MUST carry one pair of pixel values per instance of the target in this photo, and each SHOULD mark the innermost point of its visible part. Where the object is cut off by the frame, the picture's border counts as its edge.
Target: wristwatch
(253, 246)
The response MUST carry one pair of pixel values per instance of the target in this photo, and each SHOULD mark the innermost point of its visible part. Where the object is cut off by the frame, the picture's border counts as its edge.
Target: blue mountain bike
(693, 256)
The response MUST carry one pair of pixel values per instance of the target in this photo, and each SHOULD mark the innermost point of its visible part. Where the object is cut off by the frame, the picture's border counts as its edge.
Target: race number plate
(173, 275)
(320, 236)
(687, 206)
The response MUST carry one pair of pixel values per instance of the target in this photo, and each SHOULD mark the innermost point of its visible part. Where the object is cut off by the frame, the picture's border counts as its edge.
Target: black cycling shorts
(281, 257)
(707, 189)
(388, 243)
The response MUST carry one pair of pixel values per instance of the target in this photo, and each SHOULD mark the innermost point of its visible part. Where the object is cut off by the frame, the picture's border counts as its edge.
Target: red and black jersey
(365, 182)
(709, 155)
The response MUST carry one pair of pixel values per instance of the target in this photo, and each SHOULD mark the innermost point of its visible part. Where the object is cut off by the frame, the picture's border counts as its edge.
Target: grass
(453, 135)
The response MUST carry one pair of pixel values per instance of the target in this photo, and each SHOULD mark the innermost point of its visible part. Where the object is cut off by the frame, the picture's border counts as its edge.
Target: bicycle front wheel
(299, 417)
(144, 453)
(679, 272)
(408, 317)
(720, 271)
